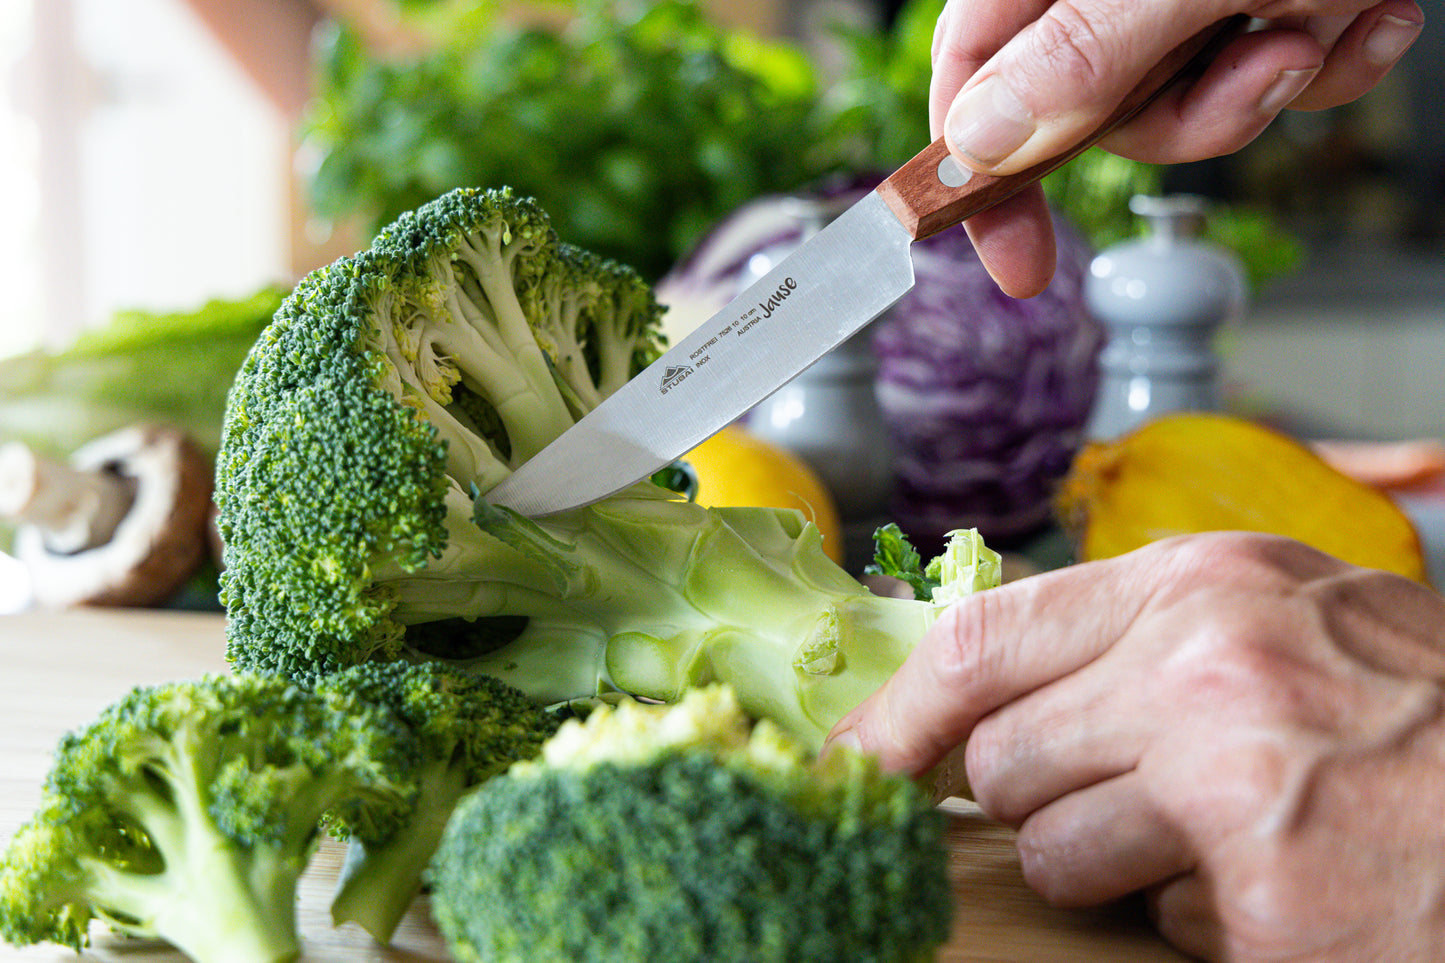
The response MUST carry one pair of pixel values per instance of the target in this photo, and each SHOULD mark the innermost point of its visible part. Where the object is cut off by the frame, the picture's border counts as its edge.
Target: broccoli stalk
(380, 879)
(467, 730)
(188, 811)
(217, 905)
(652, 596)
(395, 384)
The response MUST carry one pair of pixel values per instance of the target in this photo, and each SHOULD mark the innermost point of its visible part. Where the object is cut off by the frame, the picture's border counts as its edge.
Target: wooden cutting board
(58, 670)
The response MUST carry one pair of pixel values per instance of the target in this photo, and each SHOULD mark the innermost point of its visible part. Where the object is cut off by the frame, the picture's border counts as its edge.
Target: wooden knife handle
(933, 192)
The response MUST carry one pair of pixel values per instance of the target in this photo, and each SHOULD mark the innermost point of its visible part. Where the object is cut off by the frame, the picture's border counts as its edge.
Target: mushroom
(124, 523)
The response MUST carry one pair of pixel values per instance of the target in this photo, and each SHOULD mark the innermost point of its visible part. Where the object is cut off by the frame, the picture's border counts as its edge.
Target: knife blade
(842, 278)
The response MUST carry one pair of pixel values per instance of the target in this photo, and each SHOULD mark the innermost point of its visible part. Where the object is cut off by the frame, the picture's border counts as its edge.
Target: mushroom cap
(159, 544)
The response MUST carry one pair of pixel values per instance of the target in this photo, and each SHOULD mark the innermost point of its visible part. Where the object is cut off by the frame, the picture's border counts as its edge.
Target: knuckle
(1051, 862)
(953, 42)
(1359, 588)
(1036, 860)
(1270, 895)
(1380, 622)
(1070, 45)
(1256, 559)
(948, 47)
(1257, 550)
(1220, 782)
(1238, 667)
(985, 756)
(970, 653)
(1233, 661)
(1259, 770)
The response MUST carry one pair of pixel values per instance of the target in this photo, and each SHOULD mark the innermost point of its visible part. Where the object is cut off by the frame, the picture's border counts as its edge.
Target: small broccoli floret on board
(467, 730)
(689, 833)
(188, 811)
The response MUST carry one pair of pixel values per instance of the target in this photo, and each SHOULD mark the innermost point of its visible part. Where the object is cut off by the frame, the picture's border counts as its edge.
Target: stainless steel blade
(845, 276)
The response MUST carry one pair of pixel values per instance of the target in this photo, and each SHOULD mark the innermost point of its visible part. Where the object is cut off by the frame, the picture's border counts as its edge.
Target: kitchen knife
(843, 277)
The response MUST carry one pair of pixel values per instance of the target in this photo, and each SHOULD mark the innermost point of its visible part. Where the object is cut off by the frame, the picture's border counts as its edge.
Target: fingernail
(848, 739)
(1390, 38)
(988, 122)
(1286, 87)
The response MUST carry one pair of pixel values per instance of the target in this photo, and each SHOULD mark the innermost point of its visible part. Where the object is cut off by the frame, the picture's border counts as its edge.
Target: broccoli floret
(688, 832)
(395, 384)
(188, 811)
(469, 729)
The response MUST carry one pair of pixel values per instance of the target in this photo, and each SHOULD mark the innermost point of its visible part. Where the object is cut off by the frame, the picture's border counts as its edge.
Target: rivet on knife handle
(933, 192)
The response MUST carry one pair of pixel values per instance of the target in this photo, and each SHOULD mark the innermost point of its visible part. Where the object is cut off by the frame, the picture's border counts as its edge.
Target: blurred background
(169, 168)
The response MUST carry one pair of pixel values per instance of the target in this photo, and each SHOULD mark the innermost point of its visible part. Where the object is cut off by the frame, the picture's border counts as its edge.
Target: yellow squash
(1200, 472)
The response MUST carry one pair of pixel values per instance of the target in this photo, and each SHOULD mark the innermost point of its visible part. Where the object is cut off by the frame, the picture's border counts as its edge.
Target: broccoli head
(396, 387)
(188, 811)
(688, 831)
(388, 386)
(467, 729)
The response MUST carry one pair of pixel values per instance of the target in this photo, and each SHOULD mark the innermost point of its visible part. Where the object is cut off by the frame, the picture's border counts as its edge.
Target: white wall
(159, 169)
(1354, 347)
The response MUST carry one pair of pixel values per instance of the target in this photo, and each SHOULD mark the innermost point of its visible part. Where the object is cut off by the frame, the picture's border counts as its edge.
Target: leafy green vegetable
(895, 557)
(642, 123)
(965, 566)
(636, 126)
(172, 367)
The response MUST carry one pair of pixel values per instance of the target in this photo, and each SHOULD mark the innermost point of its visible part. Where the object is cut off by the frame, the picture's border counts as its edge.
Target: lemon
(738, 469)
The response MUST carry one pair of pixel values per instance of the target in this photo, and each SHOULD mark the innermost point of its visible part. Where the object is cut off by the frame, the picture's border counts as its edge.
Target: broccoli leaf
(895, 556)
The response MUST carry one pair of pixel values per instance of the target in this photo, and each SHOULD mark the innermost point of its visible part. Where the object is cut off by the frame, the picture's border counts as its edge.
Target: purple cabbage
(986, 396)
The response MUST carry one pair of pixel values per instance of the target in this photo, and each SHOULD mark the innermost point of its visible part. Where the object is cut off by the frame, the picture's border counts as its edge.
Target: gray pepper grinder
(1161, 298)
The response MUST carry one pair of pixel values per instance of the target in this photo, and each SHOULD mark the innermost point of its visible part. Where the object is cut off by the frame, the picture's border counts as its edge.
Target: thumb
(1060, 77)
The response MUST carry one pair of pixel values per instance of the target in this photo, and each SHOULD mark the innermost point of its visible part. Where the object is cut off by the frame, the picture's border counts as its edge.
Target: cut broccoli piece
(469, 729)
(394, 384)
(687, 832)
(965, 566)
(188, 811)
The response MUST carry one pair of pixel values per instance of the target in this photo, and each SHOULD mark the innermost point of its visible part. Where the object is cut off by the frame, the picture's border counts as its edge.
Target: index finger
(989, 649)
